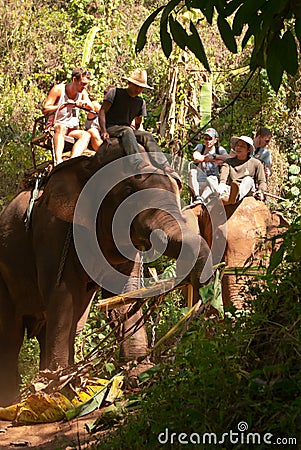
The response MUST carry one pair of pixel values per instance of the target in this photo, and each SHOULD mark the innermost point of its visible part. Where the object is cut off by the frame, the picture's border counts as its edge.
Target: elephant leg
(11, 338)
(59, 329)
(132, 334)
(67, 304)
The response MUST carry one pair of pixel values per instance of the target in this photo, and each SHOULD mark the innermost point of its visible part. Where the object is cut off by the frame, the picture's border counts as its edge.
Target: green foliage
(29, 361)
(245, 368)
(266, 22)
(94, 331)
(208, 375)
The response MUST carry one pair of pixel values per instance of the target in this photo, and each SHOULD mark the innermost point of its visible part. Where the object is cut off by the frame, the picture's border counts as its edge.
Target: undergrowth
(240, 376)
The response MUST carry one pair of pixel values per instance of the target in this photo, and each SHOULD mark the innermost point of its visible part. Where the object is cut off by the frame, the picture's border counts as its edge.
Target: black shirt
(124, 107)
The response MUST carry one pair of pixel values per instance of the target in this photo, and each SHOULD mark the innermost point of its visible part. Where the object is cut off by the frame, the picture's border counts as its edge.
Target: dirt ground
(63, 435)
(49, 436)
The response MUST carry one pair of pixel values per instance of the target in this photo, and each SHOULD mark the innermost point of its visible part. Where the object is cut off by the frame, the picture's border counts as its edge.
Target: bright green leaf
(88, 46)
(294, 179)
(88, 406)
(227, 34)
(217, 301)
(294, 169)
(205, 102)
(295, 191)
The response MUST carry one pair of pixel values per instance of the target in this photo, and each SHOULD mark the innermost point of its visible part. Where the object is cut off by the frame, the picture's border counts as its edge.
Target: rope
(151, 320)
(34, 196)
(64, 255)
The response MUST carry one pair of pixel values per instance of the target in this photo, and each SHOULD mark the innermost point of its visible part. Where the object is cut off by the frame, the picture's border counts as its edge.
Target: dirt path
(49, 436)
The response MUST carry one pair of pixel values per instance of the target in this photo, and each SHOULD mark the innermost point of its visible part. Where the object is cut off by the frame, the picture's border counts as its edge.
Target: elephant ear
(278, 224)
(63, 188)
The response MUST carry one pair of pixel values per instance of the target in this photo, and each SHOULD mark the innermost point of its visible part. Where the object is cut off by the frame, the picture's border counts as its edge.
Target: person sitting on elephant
(121, 116)
(261, 142)
(62, 105)
(242, 175)
(207, 159)
(92, 122)
(92, 126)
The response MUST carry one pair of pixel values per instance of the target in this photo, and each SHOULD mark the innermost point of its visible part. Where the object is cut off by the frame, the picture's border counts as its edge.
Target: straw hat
(138, 77)
(246, 139)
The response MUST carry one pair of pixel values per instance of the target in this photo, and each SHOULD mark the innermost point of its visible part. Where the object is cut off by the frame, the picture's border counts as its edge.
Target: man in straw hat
(118, 111)
(242, 175)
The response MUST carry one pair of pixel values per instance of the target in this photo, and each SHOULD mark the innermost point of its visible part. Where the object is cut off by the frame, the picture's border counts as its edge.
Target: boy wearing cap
(242, 174)
(207, 159)
(121, 109)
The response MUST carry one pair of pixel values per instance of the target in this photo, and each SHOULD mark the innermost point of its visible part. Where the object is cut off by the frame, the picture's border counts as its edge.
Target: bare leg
(83, 138)
(193, 182)
(96, 140)
(58, 142)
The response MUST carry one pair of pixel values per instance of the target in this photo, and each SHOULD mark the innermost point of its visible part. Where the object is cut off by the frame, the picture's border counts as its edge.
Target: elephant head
(121, 211)
(119, 215)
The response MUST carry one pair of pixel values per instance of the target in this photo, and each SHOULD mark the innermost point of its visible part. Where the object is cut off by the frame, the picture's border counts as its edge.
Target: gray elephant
(88, 227)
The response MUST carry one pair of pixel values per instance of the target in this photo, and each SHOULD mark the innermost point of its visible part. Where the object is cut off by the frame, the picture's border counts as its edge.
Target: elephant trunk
(233, 291)
(191, 252)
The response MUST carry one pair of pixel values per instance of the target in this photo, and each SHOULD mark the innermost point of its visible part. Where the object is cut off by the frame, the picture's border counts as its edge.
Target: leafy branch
(273, 29)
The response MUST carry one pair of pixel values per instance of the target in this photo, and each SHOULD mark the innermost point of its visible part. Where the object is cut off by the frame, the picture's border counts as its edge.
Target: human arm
(102, 119)
(219, 157)
(85, 101)
(198, 157)
(260, 178)
(51, 103)
(224, 173)
(267, 162)
(137, 121)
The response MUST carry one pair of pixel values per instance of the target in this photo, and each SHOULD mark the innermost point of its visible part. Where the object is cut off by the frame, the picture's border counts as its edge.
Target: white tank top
(67, 116)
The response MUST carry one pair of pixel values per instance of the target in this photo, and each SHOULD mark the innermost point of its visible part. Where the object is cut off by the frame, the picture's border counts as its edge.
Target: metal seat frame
(43, 137)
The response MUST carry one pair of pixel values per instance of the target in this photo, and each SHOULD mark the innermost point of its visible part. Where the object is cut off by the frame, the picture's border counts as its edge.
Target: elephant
(92, 220)
(244, 227)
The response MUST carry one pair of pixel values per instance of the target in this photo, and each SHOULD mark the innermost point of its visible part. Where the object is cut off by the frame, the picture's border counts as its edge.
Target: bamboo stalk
(139, 295)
